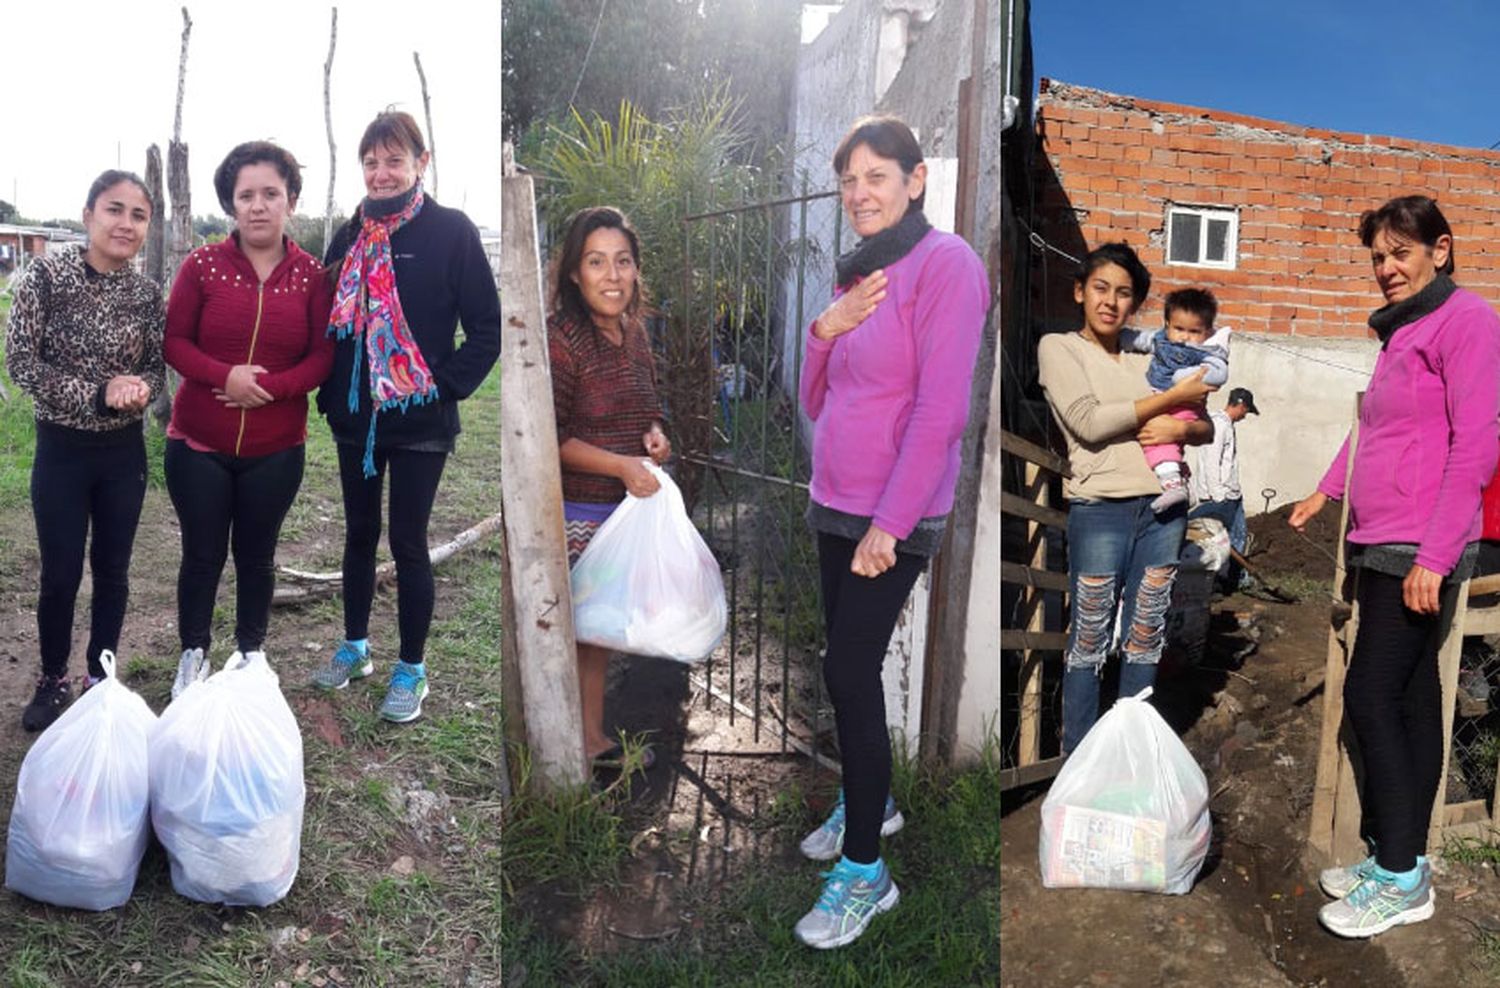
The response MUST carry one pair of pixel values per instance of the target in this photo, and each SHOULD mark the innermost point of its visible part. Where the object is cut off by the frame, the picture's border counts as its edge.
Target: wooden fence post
(541, 658)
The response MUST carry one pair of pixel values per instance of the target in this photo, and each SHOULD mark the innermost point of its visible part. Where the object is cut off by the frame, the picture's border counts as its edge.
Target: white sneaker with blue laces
(826, 843)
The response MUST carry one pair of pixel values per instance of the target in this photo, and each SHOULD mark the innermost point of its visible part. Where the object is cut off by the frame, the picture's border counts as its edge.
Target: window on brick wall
(1202, 236)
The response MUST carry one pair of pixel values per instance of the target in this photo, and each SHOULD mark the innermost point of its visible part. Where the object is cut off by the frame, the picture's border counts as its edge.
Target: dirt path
(1253, 725)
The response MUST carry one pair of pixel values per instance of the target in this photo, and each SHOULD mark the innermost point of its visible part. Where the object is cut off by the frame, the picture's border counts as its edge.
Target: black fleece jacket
(443, 279)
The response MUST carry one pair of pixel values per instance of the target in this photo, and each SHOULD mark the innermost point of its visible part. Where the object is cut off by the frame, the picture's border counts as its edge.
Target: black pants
(225, 501)
(77, 483)
(414, 483)
(1393, 699)
(860, 614)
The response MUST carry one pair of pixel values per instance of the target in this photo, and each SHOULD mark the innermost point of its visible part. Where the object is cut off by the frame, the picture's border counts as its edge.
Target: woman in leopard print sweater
(85, 342)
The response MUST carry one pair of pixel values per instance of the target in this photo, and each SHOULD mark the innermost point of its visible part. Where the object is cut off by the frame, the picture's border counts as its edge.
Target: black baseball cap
(1242, 396)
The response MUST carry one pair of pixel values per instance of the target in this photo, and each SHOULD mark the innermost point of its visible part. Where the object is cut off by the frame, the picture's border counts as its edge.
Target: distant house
(20, 242)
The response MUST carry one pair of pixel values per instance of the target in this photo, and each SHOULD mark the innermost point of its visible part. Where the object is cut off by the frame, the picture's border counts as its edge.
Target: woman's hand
(1191, 390)
(875, 553)
(127, 393)
(851, 308)
(638, 481)
(658, 446)
(1419, 591)
(1305, 509)
(240, 389)
(1162, 429)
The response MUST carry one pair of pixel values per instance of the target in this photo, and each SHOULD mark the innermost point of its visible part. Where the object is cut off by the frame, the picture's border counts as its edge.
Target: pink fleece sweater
(890, 398)
(1429, 434)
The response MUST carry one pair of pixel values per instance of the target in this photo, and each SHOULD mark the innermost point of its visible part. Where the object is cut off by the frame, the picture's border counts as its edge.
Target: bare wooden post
(156, 233)
(333, 152)
(427, 111)
(179, 186)
(536, 584)
(1335, 809)
(1030, 744)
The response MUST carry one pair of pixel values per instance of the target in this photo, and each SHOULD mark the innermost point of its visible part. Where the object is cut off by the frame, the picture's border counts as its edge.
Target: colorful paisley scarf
(367, 307)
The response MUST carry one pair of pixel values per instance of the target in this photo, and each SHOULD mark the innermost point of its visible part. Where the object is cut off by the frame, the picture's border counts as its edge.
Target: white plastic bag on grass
(226, 787)
(1129, 810)
(647, 583)
(79, 825)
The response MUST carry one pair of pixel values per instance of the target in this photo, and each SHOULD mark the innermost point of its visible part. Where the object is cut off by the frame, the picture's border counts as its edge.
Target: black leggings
(1393, 699)
(225, 501)
(78, 484)
(859, 614)
(414, 483)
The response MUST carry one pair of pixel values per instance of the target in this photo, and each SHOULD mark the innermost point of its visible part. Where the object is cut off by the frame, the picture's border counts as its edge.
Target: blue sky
(1427, 70)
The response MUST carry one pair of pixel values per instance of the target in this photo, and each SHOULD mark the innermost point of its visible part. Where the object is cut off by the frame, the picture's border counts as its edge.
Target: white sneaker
(826, 843)
(238, 660)
(191, 668)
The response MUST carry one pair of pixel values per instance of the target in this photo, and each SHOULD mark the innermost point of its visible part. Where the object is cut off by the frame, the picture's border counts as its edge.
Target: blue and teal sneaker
(848, 903)
(1377, 904)
(349, 662)
(827, 842)
(403, 698)
(1339, 882)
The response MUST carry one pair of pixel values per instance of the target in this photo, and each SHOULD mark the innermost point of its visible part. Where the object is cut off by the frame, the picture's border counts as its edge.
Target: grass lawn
(399, 882)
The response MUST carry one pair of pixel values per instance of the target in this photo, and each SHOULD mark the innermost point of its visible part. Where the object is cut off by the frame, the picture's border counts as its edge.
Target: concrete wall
(1305, 391)
(1112, 163)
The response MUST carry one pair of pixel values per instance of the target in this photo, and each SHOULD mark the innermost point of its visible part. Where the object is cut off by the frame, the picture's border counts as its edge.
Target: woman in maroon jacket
(245, 329)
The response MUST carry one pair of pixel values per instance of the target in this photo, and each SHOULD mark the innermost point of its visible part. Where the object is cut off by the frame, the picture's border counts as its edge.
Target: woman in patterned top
(609, 417)
(84, 341)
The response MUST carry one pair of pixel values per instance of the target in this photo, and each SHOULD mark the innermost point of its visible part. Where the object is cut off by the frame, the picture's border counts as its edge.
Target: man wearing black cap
(1217, 480)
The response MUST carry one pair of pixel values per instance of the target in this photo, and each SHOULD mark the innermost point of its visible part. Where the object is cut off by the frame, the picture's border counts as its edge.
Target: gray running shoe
(192, 668)
(347, 663)
(1376, 906)
(403, 698)
(827, 842)
(1339, 882)
(845, 908)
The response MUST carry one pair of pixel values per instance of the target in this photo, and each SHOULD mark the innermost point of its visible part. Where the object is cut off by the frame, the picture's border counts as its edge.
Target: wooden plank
(1029, 744)
(546, 664)
(1030, 576)
(1011, 504)
(1043, 641)
(1482, 585)
(1451, 621)
(1024, 775)
(1479, 830)
(1332, 759)
(1481, 620)
(1470, 811)
(1032, 453)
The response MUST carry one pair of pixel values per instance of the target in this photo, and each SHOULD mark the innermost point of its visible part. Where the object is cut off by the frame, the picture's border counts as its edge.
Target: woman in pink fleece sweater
(1428, 443)
(887, 378)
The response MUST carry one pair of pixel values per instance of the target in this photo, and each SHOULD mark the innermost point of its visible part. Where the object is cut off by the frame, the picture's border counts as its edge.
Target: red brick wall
(1119, 161)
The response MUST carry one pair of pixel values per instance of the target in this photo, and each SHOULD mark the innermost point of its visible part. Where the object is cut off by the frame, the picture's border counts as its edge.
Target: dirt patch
(1251, 714)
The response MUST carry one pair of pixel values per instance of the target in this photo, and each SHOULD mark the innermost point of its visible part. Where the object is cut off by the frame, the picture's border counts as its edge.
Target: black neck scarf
(883, 249)
(1387, 319)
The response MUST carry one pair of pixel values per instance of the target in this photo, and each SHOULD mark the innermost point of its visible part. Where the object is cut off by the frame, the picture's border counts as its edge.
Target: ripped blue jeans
(1122, 558)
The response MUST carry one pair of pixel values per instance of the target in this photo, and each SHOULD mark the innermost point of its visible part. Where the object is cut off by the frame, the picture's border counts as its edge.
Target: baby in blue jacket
(1187, 343)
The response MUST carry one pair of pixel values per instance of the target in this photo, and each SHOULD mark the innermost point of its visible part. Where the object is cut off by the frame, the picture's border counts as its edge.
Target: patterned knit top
(604, 395)
(73, 328)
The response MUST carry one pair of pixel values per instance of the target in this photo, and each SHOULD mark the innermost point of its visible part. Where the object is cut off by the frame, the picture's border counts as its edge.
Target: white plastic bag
(226, 787)
(1129, 810)
(79, 825)
(647, 584)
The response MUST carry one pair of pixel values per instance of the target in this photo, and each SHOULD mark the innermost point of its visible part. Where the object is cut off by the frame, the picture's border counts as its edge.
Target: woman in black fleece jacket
(399, 372)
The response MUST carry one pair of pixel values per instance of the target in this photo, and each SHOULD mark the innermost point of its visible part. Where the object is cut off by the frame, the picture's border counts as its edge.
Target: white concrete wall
(1304, 388)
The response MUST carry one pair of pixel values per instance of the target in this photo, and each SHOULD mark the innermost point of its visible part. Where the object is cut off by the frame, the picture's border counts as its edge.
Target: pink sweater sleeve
(1333, 480)
(1469, 362)
(952, 298)
(814, 386)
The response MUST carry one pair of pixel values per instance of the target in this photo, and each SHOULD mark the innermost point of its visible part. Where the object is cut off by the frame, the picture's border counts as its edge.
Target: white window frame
(1206, 213)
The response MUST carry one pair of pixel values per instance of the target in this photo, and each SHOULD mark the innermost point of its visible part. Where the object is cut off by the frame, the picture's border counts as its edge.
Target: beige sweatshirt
(1093, 396)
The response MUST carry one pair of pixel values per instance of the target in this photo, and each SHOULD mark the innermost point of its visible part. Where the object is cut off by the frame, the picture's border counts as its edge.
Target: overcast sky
(90, 84)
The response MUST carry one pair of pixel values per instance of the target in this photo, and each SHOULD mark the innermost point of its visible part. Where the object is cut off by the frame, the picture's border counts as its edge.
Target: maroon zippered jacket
(219, 315)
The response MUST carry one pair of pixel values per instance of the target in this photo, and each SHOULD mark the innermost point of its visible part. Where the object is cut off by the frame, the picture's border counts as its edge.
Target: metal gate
(756, 274)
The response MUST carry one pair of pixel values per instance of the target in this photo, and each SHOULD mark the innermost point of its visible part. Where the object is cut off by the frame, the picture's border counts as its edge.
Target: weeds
(1473, 850)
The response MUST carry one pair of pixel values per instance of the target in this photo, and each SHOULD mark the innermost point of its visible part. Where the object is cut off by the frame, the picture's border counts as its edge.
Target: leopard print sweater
(73, 328)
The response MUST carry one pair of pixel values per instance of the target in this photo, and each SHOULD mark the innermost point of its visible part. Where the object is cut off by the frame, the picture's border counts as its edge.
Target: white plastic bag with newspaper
(1129, 810)
(80, 825)
(226, 787)
(647, 583)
